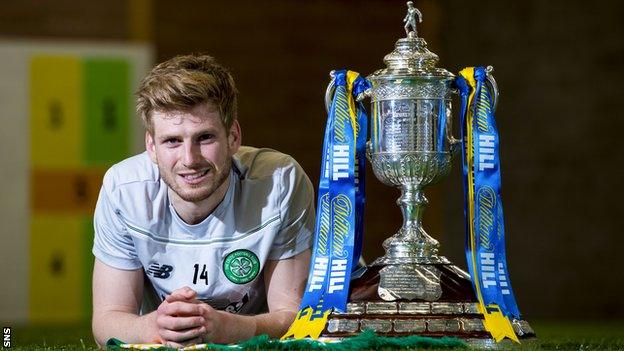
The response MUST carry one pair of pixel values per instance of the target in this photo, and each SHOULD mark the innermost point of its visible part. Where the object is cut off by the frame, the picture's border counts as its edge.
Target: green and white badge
(241, 266)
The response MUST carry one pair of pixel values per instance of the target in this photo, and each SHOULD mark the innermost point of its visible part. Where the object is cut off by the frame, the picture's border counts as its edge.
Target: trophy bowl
(420, 168)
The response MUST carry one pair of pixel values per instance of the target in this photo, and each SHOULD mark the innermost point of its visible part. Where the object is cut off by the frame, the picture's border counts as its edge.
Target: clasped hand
(183, 320)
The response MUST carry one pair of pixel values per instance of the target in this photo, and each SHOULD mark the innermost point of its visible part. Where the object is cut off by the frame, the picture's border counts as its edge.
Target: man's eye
(171, 141)
(206, 137)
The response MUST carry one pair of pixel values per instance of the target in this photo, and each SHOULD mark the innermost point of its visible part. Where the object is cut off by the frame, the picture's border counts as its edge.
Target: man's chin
(195, 195)
(196, 192)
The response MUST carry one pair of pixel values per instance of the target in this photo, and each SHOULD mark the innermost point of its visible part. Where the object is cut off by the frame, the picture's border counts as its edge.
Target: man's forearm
(132, 328)
(237, 328)
(124, 326)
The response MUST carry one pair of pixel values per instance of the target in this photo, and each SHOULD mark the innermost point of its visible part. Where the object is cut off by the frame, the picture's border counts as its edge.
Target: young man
(214, 236)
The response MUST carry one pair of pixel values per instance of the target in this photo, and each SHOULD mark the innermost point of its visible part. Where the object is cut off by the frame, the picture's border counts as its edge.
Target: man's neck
(195, 212)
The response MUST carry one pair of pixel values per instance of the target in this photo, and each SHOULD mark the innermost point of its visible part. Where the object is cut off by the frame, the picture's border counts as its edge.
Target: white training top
(266, 214)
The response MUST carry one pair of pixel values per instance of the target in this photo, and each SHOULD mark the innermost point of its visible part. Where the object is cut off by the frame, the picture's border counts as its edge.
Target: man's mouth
(195, 177)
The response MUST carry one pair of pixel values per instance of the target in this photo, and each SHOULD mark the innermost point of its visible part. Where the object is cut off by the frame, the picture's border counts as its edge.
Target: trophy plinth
(412, 289)
(452, 311)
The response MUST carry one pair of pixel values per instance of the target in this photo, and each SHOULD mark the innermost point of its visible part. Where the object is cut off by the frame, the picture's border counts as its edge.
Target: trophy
(413, 289)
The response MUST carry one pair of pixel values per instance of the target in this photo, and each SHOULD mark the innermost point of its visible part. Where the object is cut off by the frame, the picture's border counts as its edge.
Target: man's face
(193, 150)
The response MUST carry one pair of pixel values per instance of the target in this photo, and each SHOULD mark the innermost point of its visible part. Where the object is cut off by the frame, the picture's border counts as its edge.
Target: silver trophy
(412, 289)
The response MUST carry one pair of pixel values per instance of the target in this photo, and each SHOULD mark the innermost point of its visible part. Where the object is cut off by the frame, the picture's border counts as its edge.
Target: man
(221, 232)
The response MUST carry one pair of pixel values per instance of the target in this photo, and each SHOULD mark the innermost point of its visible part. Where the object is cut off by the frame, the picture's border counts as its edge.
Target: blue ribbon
(486, 246)
(340, 208)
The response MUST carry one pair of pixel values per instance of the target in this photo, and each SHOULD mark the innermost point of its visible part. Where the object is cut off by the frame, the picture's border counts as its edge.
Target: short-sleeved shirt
(266, 214)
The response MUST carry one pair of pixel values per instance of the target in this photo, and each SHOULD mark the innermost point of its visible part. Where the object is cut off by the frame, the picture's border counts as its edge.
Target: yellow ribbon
(494, 321)
(310, 322)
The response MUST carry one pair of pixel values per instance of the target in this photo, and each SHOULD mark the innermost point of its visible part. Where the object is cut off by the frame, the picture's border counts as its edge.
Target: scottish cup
(412, 289)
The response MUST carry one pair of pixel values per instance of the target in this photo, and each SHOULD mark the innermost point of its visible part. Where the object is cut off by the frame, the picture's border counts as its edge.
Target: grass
(580, 336)
(556, 336)
(52, 337)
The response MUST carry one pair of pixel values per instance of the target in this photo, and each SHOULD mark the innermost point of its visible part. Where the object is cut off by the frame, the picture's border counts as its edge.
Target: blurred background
(69, 69)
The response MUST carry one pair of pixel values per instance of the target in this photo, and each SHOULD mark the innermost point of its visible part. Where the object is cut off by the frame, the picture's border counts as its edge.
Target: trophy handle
(454, 142)
(493, 85)
(331, 87)
(363, 95)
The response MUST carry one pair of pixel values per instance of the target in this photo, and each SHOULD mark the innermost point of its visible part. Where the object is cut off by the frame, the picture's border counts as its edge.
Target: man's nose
(192, 154)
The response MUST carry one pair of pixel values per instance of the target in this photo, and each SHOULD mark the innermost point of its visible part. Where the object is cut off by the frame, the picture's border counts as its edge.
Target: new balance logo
(160, 271)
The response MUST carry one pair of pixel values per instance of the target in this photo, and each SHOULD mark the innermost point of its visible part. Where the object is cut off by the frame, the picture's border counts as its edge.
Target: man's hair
(184, 82)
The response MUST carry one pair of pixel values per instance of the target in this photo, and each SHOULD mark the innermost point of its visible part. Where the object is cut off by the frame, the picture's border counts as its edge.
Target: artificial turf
(559, 336)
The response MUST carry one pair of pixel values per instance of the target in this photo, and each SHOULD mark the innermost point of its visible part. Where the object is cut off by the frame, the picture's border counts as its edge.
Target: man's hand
(183, 320)
(180, 319)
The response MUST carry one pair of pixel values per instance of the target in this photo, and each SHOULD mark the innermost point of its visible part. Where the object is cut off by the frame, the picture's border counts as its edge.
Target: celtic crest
(241, 266)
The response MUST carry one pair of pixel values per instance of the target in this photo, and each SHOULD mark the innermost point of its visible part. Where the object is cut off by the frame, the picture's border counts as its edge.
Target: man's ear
(150, 146)
(235, 137)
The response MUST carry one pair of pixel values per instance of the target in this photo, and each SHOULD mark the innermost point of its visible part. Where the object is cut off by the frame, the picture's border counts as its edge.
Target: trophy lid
(411, 58)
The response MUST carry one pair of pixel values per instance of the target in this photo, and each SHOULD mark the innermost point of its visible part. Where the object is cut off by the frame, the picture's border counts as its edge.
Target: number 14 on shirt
(202, 276)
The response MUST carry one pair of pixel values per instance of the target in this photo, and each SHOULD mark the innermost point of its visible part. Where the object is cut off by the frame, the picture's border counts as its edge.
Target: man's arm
(181, 319)
(117, 297)
(116, 300)
(285, 282)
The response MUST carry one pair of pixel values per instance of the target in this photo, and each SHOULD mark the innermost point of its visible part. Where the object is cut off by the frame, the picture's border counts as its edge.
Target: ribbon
(485, 239)
(340, 208)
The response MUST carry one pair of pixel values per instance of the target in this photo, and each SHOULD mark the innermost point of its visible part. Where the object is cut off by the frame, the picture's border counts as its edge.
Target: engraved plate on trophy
(471, 308)
(381, 308)
(409, 282)
(409, 326)
(352, 309)
(443, 325)
(415, 308)
(447, 308)
(472, 325)
(342, 325)
(376, 325)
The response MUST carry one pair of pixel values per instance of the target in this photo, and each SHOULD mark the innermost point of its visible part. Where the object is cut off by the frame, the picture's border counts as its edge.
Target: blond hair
(184, 82)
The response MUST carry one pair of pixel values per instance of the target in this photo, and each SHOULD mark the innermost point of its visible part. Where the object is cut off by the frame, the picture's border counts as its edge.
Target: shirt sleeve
(112, 244)
(296, 211)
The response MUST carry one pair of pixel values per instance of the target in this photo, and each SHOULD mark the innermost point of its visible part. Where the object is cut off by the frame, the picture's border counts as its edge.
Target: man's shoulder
(135, 170)
(257, 163)
(271, 185)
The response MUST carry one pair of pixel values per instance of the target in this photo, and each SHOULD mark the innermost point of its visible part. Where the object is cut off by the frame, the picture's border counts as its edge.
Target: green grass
(580, 336)
(56, 337)
(556, 336)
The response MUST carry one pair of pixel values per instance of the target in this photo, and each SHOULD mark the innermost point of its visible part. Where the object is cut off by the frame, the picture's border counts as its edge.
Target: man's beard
(197, 196)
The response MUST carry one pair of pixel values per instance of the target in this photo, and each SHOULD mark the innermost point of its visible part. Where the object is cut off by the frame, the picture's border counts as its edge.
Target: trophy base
(451, 310)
